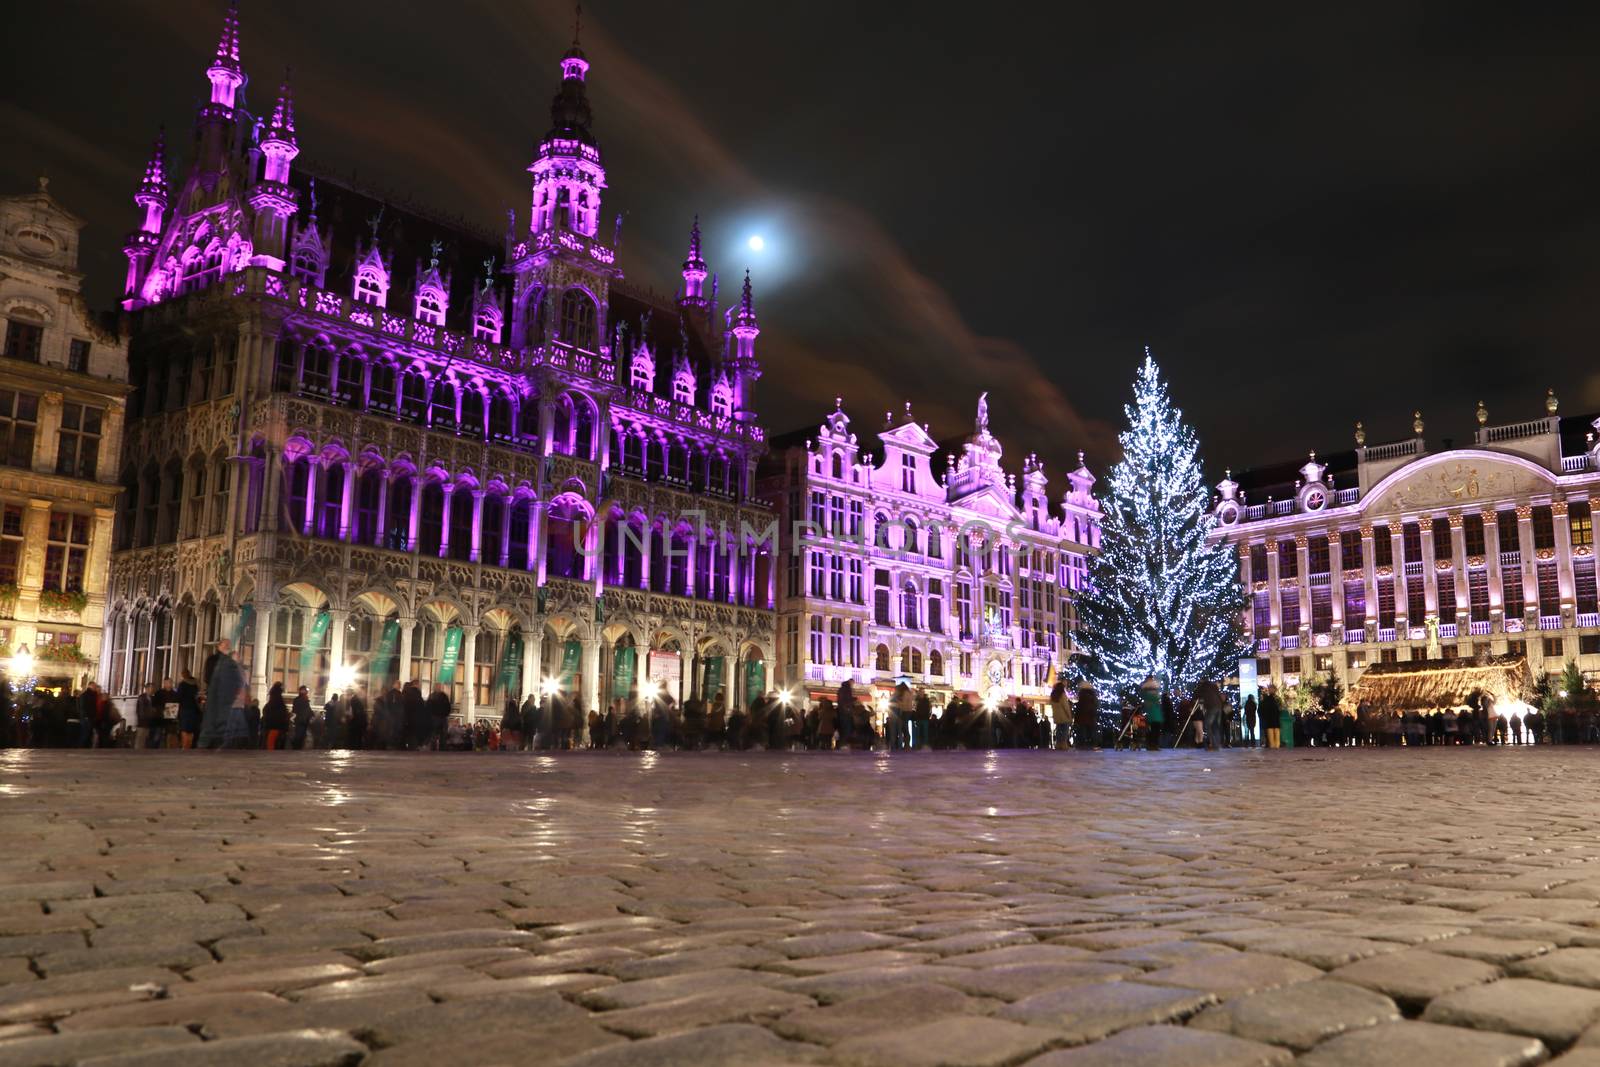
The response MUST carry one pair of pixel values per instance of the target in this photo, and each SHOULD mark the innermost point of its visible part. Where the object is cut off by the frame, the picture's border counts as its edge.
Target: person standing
(88, 708)
(1086, 718)
(438, 717)
(356, 721)
(333, 722)
(510, 725)
(1154, 712)
(225, 688)
(1209, 697)
(1271, 718)
(145, 716)
(275, 718)
(188, 711)
(302, 717)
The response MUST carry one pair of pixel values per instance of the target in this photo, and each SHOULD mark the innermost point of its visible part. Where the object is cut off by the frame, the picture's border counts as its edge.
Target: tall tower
(694, 273)
(744, 366)
(568, 174)
(272, 198)
(152, 197)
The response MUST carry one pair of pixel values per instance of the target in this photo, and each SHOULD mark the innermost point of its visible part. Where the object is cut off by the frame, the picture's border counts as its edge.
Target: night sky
(1311, 217)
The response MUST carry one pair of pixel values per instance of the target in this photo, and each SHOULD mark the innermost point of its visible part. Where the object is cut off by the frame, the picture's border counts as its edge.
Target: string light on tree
(1161, 600)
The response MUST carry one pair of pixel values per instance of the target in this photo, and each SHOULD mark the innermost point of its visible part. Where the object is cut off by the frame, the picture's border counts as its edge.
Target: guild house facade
(1397, 552)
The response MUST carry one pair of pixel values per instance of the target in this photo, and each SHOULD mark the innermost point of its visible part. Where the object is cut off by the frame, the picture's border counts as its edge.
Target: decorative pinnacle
(1361, 435)
(281, 127)
(838, 403)
(1416, 423)
(228, 43)
(694, 238)
(1551, 404)
(1483, 414)
(747, 301)
(154, 185)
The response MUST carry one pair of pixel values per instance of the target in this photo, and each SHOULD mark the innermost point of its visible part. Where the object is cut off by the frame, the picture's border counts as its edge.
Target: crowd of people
(217, 710)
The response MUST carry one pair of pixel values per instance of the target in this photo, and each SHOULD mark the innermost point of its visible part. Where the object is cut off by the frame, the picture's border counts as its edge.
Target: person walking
(275, 718)
(333, 722)
(145, 715)
(225, 689)
(510, 726)
(355, 727)
(438, 717)
(188, 711)
(1250, 733)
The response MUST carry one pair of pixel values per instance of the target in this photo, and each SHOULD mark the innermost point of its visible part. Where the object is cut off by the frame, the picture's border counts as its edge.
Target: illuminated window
(66, 552)
(578, 319)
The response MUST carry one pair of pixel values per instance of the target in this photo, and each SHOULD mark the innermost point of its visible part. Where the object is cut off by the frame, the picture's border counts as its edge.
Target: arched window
(472, 411)
(683, 388)
(330, 500)
(430, 519)
(486, 324)
(351, 368)
(397, 515)
(642, 374)
(913, 661)
(219, 494)
(563, 559)
(935, 664)
(528, 418)
(502, 416)
(533, 318)
(463, 503)
(722, 400)
(195, 518)
(414, 396)
(561, 437)
(430, 306)
(442, 406)
(369, 491)
(316, 370)
(838, 465)
(880, 530)
(880, 659)
(909, 614)
(583, 430)
(380, 393)
(370, 288)
(578, 319)
(913, 540)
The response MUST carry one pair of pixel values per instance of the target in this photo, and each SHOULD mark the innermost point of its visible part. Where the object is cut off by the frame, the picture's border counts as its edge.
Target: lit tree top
(1162, 598)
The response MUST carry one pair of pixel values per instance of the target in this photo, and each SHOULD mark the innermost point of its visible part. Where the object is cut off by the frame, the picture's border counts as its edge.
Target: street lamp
(22, 662)
(649, 691)
(342, 678)
(550, 687)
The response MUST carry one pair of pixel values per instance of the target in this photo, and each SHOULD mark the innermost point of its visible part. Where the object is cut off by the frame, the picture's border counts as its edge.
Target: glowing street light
(22, 662)
(785, 697)
(649, 691)
(342, 678)
(550, 687)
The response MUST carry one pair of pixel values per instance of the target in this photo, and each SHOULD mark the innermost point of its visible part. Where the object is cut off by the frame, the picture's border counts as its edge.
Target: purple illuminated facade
(923, 564)
(371, 445)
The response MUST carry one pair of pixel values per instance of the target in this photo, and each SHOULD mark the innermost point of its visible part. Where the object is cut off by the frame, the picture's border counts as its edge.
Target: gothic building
(921, 565)
(1397, 552)
(63, 390)
(370, 445)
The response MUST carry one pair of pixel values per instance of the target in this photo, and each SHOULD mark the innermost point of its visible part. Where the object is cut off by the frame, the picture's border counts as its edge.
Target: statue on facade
(983, 412)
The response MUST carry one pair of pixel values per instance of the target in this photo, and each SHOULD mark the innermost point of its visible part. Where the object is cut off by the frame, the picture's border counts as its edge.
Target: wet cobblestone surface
(1017, 907)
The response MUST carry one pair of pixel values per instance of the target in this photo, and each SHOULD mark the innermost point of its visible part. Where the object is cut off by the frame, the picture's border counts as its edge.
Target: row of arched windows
(174, 501)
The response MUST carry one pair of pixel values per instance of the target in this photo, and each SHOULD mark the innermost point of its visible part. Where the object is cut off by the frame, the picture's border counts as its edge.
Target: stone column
(1430, 555)
(1274, 599)
(532, 660)
(476, 552)
(35, 530)
(347, 503)
(547, 424)
(261, 655)
(1563, 531)
(469, 661)
(504, 557)
(129, 629)
(271, 490)
(382, 530)
(591, 682)
(337, 618)
(46, 434)
(1303, 557)
(309, 524)
(414, 522)
(1458, 553)
(1336, 584)
(406, 624)
(1491, 561)
(1530, 574)
(538, 549)
(444, 521)
(1402, 601)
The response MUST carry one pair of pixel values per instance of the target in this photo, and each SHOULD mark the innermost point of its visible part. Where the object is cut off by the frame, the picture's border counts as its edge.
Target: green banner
(755, 680)
(313, 645)
(713, 681)
(451, 657)
(510, 673)
(378, 666)
(246, 614)
(623, 664)
(571, 659)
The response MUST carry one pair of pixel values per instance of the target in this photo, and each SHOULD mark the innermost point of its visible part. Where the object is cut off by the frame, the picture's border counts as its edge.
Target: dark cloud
(1312, 215)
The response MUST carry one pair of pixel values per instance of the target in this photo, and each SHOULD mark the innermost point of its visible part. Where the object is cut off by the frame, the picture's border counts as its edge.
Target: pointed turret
(273, 199)
(153, 198)
(746, 370)
(694, 272)
(225, 73)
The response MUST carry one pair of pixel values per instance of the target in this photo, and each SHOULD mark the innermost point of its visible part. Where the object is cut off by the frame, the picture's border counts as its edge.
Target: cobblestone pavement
(1054, 909)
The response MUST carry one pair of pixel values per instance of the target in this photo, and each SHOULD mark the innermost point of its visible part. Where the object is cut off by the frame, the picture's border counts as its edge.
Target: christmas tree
(1162, 600)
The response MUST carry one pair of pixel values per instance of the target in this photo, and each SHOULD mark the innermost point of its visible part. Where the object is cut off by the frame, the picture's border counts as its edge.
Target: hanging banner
(623, 661)
(378, 666)
(510, 673)
(666, 670)
(247, 615)
(313, 645)
(452, 656)
(713, 680)
(755, 681)
(571, 659)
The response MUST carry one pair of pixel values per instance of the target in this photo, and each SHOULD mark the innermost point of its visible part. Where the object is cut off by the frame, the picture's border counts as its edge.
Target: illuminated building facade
(63, 393)
(924, 566)
(371, 445)
(1392, 552)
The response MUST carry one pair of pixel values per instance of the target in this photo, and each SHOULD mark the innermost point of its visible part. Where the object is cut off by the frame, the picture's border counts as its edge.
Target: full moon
(757, 242)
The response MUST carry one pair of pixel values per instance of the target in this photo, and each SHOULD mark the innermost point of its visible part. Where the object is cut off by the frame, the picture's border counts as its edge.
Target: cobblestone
(391, 910)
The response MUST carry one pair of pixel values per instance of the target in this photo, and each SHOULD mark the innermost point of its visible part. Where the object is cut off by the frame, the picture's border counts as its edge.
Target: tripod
(1178, 740)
